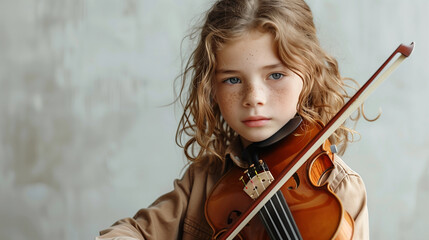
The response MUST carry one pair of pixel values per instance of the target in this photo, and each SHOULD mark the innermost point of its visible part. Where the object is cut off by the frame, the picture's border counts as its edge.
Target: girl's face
(256, 93)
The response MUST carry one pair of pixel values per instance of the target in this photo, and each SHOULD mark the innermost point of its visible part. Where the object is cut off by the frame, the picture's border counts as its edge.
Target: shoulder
(350, 189)
(348, 186)
(342, 176)
(202, 174)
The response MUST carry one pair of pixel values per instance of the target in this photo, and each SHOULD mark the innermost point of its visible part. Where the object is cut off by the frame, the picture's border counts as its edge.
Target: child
(257, 65)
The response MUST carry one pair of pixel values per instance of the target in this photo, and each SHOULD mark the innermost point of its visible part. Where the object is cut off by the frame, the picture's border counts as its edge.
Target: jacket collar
(233, 152)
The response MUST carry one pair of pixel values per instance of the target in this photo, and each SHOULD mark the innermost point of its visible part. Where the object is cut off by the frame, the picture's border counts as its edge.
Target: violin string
(289, 223)
(279, 224)
(272, 222)
(275, 210)
(282, 226)
(279, 220)
(270, 231)
(267, 224)
(266, 210)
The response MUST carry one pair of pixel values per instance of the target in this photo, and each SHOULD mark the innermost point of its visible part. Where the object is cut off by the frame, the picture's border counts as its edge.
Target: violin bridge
(258, 183)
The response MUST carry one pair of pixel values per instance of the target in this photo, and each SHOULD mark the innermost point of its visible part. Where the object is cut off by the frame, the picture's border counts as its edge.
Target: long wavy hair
(291, 23)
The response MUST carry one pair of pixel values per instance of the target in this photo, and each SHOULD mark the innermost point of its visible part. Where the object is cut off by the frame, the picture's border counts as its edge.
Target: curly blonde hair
(291, 23)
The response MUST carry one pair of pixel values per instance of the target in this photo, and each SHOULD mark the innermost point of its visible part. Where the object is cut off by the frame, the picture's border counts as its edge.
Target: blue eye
(233, 80)
(276, 76)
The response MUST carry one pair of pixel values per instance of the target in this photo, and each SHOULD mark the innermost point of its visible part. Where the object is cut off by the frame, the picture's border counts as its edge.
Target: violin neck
(278, 220)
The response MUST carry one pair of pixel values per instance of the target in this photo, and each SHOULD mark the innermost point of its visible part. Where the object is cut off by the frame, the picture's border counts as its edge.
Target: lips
(256, 121)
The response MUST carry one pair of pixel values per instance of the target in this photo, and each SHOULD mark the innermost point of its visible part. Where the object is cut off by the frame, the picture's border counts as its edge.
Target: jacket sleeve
(352, 193)
(350, 189)
(162, 220)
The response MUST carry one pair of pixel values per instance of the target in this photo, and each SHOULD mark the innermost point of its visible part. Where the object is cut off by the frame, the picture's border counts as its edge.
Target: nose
(254, 95)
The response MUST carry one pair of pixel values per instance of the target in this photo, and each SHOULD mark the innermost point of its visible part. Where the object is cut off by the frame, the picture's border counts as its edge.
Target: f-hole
(233, 215)
(297, 181)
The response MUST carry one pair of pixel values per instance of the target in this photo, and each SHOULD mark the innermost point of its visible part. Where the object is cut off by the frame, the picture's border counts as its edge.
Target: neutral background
(86, 138)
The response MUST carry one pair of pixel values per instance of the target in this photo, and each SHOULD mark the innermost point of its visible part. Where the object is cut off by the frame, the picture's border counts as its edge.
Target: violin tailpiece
(258, 183)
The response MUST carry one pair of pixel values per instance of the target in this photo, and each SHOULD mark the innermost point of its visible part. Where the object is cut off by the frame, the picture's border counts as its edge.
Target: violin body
(316, 210)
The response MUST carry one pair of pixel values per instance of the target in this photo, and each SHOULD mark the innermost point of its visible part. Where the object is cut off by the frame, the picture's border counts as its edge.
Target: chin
(258, 138)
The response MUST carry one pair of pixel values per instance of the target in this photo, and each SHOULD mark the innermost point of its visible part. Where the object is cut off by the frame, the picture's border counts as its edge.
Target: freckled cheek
(228, 103)
(285, 95)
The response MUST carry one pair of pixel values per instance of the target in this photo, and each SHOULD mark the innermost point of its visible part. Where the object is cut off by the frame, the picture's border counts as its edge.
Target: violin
(282, 183)
(316, 210)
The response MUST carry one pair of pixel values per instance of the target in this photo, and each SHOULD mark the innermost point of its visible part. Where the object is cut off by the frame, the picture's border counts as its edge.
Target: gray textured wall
(85, 139)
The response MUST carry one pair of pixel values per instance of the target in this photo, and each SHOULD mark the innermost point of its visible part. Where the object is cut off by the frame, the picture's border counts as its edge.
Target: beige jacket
(179, 214)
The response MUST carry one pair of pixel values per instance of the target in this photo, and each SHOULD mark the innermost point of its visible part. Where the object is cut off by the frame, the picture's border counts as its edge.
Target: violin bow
(354, 102)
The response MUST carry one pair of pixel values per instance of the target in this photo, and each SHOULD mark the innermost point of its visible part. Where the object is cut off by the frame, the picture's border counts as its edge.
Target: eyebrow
(230, 71)
(277, 65)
